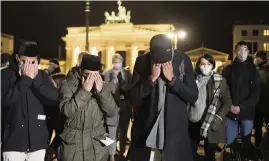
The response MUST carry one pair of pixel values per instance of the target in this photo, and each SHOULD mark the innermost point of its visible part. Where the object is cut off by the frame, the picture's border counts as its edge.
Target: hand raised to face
(88, 83)
(30, 69)
(168, 70)
(98, 82)
(156, 71)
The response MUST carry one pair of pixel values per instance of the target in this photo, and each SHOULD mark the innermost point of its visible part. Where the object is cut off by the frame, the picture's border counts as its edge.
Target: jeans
(232, 129)
(59, 151)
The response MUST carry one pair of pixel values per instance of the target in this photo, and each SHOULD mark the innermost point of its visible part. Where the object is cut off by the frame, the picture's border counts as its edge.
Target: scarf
(155, 139)
(122, 75)
(211, 112)
(196, 111)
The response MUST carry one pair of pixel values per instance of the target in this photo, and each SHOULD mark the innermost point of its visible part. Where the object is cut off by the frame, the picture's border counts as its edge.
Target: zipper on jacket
(83, 135)
(28, 122)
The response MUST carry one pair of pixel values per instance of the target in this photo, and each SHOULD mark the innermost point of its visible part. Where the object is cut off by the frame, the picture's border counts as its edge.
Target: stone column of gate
(108, 53)
(69, 57)
(131, 55)
(94, 50)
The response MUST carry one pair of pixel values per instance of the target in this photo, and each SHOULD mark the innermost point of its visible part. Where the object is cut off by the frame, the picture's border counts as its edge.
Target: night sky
(209, 23)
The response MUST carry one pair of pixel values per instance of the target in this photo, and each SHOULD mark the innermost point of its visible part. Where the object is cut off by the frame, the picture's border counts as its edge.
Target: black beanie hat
(91, 62)
(161, 48)
(28, 48)
(55, 61)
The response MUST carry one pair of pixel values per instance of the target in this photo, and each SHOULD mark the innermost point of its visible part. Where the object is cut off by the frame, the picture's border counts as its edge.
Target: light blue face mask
(118, 66)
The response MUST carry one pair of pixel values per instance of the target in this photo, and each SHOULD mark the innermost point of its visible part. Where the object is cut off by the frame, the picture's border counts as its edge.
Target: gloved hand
(216, 123)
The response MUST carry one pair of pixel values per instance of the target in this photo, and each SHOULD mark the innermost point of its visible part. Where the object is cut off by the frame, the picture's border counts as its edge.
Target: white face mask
(117, 66)
(206, 69)
(242, 55)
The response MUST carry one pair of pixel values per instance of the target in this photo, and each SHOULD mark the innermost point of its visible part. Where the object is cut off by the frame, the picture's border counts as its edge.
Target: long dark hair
(207, 57)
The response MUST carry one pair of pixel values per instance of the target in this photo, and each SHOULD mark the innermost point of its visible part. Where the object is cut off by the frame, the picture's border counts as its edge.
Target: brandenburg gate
(116, 34)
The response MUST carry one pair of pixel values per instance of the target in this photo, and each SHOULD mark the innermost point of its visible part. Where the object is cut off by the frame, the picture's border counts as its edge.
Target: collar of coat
(249, 61)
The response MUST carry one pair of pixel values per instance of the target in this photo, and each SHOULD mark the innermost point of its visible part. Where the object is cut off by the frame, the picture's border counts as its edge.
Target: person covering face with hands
(85, 101)
(163, 81)
(118, 79)
(27, 95)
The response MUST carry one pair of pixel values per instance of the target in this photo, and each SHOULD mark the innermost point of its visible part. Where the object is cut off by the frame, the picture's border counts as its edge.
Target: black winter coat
(244, 83)
(263, 104)
(23, 110)
(177, 142)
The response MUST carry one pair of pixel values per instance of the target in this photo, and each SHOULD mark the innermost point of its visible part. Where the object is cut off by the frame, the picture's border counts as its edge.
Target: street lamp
(87, 16)
(170, 35)
(174, 36)
(182, 35)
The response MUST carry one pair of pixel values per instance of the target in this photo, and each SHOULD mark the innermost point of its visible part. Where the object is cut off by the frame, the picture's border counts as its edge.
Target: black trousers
(209, 148)
(258, 124)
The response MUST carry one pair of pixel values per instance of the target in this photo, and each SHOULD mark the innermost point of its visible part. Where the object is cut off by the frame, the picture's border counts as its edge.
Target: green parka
(84, 126)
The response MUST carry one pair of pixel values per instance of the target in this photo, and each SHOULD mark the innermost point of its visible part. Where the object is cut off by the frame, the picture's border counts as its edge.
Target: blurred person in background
(102, 70)
(54, 67)
(119, 79)
(4, 60)
(262, 108)
(56, 123)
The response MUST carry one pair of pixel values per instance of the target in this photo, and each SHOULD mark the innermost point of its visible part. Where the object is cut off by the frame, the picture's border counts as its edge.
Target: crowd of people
(81, 115)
